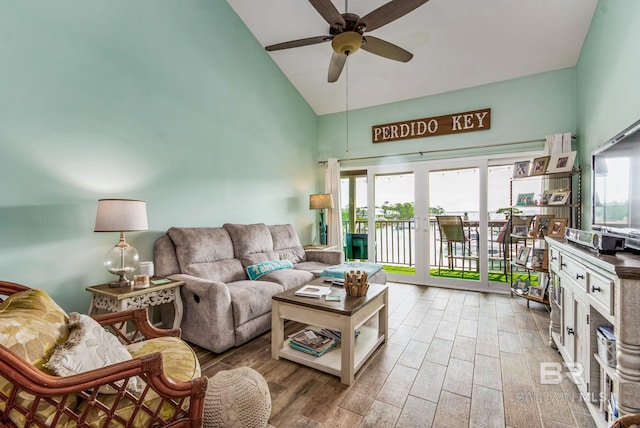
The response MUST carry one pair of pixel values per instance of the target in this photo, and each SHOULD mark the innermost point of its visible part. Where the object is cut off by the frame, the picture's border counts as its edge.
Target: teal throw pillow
(256, 271)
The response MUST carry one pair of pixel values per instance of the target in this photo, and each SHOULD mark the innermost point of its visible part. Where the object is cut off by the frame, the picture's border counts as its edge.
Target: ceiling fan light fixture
(346, 43)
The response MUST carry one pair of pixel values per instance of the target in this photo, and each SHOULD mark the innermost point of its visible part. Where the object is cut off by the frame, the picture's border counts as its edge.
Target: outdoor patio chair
(357, 246)
(452, 232)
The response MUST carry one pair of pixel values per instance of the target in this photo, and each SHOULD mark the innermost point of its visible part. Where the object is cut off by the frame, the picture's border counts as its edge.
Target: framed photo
(537, 257)
(561, 162)
(520, 230)
(537, 293)
(556, 228)
(520, 286)
(525, 199)
(541, 224)
(521, 169)
(559, 198)
(523, 255)
(546, 195)
(539, 165)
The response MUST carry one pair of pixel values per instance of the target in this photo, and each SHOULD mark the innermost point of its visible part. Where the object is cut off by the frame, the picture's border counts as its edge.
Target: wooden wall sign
(469, 121)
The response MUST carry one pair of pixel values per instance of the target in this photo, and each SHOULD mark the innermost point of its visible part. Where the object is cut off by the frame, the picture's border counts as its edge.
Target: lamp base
(323, 230)
(120, 282)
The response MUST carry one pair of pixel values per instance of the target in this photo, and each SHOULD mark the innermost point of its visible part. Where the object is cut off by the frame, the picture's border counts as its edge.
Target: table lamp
(321, 201)
(121, 215)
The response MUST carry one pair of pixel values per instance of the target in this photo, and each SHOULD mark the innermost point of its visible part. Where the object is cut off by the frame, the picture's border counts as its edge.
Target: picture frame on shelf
(541, 224)
(539, 165)
(521, 169)
(520, 230)
(557, 227)
(560, 197)
(537, 257)
(521, 286)
(537, 293)
(546, 195)
(525, 199)
(522, 256)
(561, 162)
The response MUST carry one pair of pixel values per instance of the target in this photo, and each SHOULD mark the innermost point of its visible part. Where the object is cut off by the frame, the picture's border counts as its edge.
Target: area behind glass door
(454, 223)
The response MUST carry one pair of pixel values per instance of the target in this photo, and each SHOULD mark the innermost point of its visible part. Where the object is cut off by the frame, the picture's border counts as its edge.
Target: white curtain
(334, 220)
(557, 143)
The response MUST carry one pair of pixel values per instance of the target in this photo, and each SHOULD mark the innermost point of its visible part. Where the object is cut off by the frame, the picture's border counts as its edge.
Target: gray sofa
(222, 306)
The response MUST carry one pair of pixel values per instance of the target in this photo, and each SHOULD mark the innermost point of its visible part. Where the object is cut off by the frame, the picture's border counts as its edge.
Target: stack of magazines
(312, 342)
(337, 336)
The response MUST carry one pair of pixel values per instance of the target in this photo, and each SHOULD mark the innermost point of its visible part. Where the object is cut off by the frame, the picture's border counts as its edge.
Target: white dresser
(588, 291)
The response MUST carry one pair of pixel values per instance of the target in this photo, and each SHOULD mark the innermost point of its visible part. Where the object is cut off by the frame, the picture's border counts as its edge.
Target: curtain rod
(422, 152)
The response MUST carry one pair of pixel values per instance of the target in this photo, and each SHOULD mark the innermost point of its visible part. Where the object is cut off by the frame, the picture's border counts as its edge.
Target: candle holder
(356, 283)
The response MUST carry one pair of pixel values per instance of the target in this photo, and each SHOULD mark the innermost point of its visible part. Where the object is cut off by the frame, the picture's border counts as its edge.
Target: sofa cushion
(252, 243)
(286, 243)
(179, 363)
(32, 325)
(250, 299)
(257, 271)
(89, 347)
(289, 278)
(206, 252)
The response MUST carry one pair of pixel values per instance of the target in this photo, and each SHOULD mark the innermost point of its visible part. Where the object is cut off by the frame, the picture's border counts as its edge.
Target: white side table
(121, 299)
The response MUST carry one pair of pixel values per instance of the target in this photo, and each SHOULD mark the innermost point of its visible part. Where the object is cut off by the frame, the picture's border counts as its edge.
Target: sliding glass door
(432, 222)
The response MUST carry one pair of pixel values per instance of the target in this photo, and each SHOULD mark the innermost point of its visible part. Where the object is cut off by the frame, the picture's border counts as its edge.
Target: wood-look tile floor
(453, 359)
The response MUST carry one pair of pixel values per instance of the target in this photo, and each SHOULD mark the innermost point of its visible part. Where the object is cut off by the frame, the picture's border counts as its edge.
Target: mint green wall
(608, 80)
(521, 109)
(173, 102)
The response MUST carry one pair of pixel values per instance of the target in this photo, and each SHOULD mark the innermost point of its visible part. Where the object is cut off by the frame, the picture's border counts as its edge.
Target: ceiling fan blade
(388, 12)
(299, 42)
(335, 66)
(385, 49)
(328, 12)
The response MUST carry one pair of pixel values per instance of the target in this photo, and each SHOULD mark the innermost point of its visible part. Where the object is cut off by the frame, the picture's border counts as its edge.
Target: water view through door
(454, 223)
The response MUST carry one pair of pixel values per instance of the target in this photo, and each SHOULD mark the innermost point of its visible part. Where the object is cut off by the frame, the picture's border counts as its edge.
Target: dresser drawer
(574, 270)
(554, 259)
(600, 290)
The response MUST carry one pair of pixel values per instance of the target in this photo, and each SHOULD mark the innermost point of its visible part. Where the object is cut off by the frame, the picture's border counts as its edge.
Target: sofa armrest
(329, 257)
(208, 314)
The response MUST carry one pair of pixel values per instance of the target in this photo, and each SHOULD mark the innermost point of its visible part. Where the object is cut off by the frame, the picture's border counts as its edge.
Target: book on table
(313, 291)
(312, 342)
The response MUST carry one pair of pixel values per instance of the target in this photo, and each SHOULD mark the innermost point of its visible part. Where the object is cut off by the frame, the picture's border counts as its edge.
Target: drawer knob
(570, 331)
(579, 276)
(594, 288)
(554, 258)
(563, 264)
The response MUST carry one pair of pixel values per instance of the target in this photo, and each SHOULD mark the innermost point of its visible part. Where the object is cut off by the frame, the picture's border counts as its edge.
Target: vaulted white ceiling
(456, 44)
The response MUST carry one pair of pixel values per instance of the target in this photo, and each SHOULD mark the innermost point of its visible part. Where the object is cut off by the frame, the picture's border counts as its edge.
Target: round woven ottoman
(237, 398)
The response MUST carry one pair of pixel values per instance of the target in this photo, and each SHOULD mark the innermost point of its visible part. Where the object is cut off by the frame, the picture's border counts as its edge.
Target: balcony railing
(395, 241)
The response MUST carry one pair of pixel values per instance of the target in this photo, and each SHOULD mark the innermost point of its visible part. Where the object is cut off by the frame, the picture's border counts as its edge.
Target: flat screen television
(615, 187)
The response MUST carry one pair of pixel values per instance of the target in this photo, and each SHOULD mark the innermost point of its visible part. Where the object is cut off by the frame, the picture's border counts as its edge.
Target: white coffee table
(346, 316)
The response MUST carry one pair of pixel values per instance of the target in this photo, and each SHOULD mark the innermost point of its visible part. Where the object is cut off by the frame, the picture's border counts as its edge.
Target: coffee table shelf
(345, 316)
(364, 345)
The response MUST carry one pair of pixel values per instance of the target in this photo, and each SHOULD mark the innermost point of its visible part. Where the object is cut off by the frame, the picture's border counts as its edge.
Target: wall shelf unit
(560, 198)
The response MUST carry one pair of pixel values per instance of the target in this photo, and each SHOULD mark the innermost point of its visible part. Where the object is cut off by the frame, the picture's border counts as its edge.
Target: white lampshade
(121, 215)
(320, 201)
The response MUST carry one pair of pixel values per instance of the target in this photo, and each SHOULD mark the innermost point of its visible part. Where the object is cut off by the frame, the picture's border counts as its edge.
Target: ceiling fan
(346, 33)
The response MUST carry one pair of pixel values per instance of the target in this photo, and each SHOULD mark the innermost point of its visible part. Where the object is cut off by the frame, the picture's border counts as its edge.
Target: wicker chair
(627, 421)
(32, 397)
